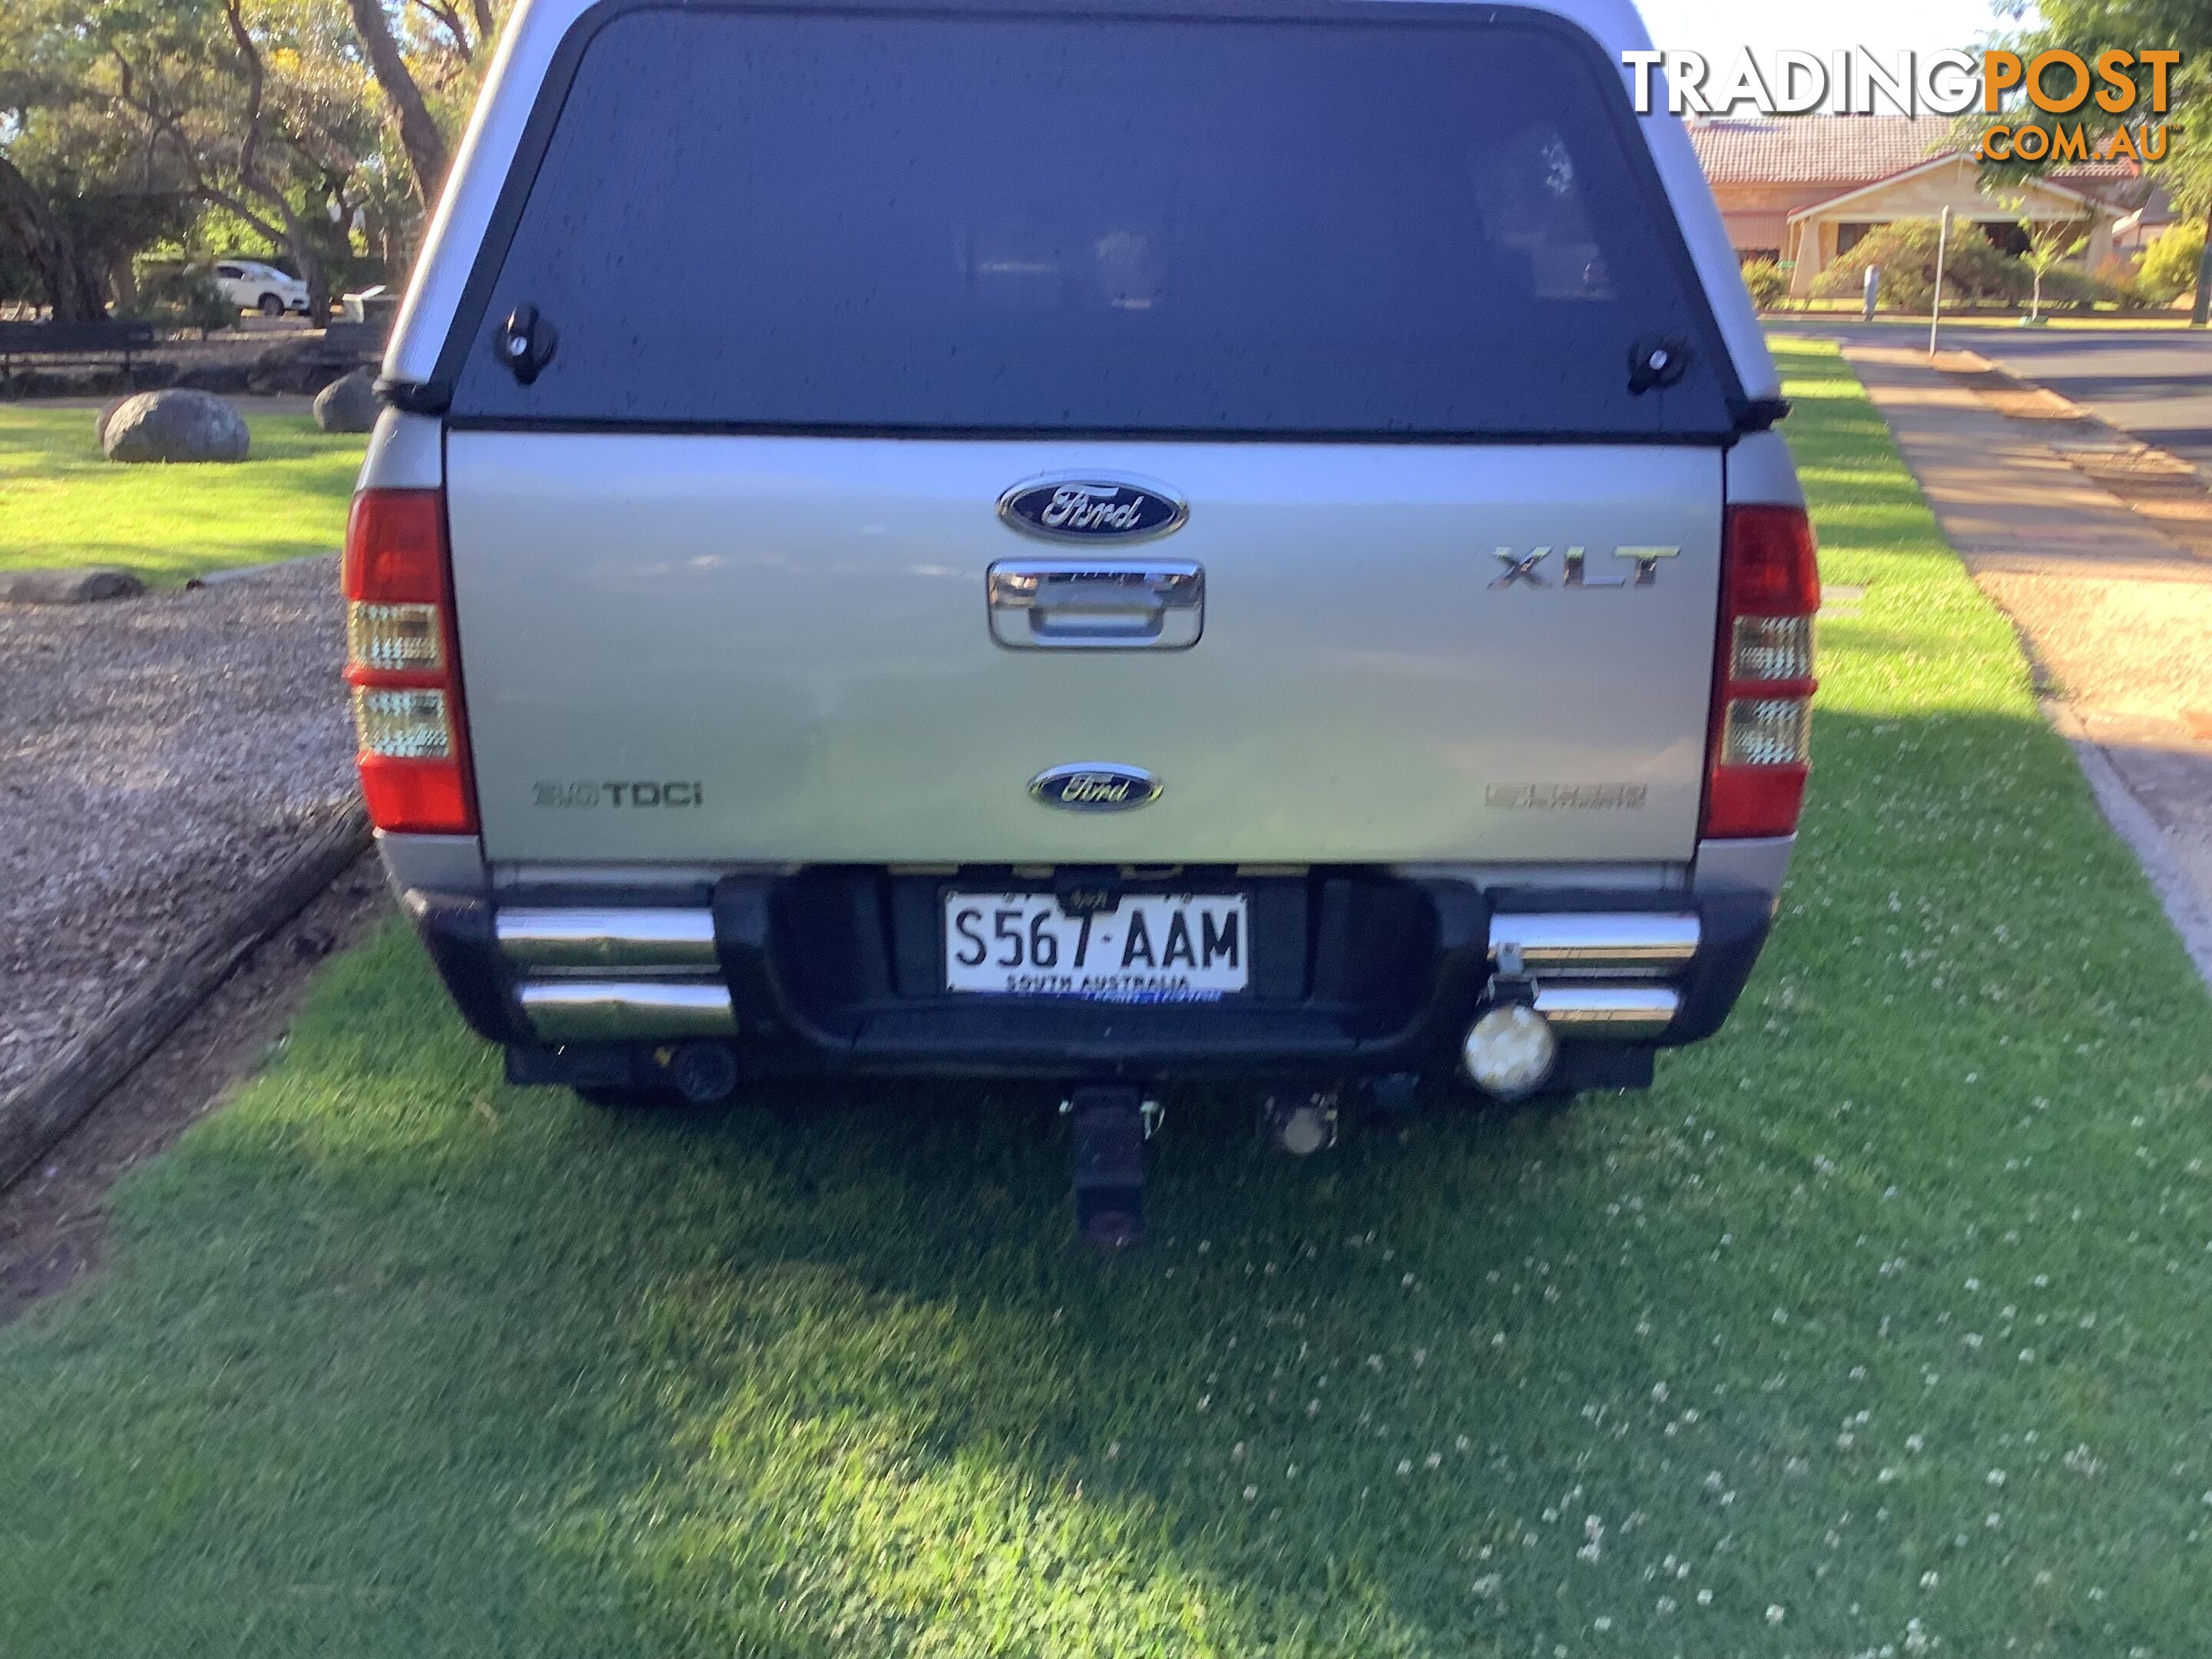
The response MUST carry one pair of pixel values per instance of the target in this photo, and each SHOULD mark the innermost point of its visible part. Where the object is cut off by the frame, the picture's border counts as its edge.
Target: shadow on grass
(400, 1359)
(1882, 1315)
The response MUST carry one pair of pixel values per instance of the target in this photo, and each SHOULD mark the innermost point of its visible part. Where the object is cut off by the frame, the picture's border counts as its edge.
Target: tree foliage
(2088, 27)
(318, 128)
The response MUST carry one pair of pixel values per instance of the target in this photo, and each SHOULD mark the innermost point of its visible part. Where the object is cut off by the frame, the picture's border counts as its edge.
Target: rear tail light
(401, 662)
(1763, 680)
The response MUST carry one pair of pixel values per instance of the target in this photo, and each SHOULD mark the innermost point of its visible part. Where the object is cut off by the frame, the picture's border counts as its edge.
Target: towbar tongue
(1109, 1126)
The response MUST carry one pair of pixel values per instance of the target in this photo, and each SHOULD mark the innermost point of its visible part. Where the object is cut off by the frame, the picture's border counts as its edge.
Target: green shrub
(2120, 285)
(2071, 288)
(186, 297)
(1906, 252)
(1767, 282)
(2168, 269)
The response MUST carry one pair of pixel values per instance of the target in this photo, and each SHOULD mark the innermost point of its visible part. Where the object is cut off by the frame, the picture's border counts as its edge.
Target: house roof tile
(1843, 151)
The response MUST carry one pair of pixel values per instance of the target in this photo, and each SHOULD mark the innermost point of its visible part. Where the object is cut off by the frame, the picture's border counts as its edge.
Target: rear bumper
(1355, 972)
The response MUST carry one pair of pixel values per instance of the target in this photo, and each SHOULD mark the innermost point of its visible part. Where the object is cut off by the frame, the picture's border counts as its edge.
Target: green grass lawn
(1880, 1327)
(63, 504)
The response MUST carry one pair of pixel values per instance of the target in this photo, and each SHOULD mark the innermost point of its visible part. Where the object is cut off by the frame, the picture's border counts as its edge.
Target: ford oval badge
(1087, 509)
(1091, 786)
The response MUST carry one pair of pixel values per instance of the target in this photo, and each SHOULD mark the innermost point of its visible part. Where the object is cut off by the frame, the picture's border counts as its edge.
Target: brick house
(1804, 188)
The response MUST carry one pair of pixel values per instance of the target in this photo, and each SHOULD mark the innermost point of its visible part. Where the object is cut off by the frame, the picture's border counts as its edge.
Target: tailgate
(718, 648)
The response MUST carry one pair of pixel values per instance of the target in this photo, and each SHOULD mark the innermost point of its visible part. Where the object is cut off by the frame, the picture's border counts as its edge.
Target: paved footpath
(2115, 606)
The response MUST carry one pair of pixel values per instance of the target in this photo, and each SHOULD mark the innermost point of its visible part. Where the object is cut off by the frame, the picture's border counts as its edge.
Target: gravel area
(155, 755)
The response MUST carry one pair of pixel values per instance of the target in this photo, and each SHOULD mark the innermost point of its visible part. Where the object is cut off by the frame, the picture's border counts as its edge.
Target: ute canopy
(1431, 223)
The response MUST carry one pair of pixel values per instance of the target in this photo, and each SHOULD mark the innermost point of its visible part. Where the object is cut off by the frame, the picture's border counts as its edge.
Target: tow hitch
(1110, 1125)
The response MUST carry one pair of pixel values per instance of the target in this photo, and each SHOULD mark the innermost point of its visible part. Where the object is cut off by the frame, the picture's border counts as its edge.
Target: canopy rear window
(1413, 226)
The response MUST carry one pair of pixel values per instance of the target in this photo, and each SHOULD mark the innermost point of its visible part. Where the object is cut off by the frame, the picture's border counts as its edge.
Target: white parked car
(251, 286)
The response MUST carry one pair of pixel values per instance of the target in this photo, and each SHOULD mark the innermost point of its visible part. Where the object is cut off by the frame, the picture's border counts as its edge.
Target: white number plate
(1150, 948)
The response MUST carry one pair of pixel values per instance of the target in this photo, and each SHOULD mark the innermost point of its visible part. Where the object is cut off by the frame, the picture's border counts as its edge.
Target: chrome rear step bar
(577, 965)
(663, 939)
(610, 1010)
(1628, 943)
(1616, 1012)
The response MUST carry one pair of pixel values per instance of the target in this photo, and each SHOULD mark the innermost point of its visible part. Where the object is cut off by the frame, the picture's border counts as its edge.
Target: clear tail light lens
(394, 636)
(1763, 681)
(403, 725)
(1773, 649)
(401, 662)
(1766, 731)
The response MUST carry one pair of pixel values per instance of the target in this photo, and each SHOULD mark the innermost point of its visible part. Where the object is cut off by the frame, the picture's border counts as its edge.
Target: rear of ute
(1107, 544)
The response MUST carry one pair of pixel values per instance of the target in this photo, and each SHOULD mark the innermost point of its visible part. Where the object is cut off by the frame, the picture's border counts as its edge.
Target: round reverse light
(1509, 1050)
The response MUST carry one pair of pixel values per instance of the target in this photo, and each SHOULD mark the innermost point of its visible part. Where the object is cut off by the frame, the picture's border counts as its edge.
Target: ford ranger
(1099, 541)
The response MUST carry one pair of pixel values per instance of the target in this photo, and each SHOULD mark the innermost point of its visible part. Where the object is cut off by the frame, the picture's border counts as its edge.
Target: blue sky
(1720, 27)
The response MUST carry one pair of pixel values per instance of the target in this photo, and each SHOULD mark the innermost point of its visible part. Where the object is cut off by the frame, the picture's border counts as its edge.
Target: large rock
(348, 404)
(175, 425)
(300, 367)
(67, 586)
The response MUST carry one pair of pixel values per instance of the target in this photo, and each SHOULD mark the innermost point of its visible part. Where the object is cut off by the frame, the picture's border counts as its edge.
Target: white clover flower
(1997, 1477)
(1251, 1492)
(1705, 1598)
(1928, 1580)
(1405, 1465)
(1776, 1615)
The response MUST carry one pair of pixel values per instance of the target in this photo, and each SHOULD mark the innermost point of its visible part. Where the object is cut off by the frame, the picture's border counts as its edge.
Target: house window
(2006, 238)
(1745, 254)
(1849, 236)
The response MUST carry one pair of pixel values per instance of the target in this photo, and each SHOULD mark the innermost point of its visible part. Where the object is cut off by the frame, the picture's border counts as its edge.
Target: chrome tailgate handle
(1129, 604)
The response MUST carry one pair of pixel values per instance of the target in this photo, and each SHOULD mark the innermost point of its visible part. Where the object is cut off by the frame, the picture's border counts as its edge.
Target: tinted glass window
(1052, 224)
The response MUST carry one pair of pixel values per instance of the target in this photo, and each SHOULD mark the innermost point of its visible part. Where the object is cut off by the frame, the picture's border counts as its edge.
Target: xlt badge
(1526, 568)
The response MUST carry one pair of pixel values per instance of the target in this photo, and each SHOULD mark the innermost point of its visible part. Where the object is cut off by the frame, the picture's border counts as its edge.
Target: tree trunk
(418, 134)
(72, 286)
(2201, 312)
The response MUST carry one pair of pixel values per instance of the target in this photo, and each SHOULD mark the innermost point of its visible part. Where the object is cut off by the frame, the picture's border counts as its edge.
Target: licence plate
(1149, 948)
